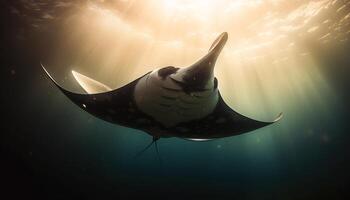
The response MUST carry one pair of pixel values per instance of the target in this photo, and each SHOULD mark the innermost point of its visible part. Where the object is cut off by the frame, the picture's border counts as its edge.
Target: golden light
(262, 64)
(195, 6)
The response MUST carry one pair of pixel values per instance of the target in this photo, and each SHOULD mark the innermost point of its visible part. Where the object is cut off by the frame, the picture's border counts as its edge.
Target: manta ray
(168, 102)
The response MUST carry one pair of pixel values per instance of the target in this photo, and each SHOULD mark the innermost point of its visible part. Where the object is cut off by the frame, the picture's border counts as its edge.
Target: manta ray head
(173, 95)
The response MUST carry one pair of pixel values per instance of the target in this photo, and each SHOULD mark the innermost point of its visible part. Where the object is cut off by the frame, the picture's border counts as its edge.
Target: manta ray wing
(222, 122)
(115, 106)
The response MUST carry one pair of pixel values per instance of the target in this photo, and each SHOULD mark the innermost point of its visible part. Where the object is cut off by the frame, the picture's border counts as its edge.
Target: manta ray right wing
(222, 122)
(229, 122)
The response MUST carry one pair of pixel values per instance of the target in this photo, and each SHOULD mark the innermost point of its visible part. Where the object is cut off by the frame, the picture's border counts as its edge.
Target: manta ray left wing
(115, 106)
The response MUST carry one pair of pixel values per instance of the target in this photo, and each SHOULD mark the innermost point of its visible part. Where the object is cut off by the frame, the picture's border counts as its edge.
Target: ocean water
(54, 150)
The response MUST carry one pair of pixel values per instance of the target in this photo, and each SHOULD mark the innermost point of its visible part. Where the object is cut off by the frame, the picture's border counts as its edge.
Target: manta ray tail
(158, 155)
(154, 141)
(143, 150)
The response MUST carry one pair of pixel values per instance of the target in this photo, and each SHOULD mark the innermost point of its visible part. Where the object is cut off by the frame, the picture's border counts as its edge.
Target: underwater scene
(281, 56)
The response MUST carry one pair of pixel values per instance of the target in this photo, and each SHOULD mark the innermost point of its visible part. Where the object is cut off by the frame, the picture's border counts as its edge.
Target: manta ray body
(168, 102)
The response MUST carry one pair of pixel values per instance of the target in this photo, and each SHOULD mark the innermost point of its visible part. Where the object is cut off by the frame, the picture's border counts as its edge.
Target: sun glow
(206, 10)
(262, 63)
(185, 5)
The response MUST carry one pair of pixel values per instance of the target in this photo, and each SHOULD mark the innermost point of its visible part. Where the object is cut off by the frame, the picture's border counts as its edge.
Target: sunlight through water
(267, 66)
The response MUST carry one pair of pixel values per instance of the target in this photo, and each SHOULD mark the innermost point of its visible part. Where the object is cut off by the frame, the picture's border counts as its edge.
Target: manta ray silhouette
(168, 102)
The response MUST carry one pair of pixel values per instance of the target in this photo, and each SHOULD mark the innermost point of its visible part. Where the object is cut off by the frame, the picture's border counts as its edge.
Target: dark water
(52, 150)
